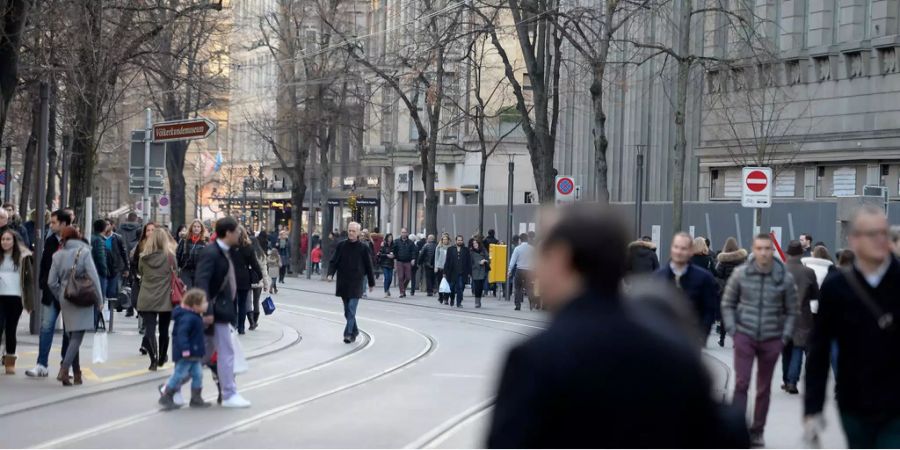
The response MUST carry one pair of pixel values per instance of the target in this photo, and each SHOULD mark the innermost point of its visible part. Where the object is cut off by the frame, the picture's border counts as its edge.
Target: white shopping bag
(445, 286)
(100, 349)
(240, 362)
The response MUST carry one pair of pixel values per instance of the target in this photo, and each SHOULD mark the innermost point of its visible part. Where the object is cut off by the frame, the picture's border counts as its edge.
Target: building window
(786, 183)
(887, 60)
(449, 198)
(844, 183)
(792, 72)
(713, 84)
(823, 68)
(855, 64)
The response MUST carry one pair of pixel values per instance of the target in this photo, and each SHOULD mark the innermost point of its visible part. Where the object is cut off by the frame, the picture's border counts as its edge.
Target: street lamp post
(639, 190)
(509, 222)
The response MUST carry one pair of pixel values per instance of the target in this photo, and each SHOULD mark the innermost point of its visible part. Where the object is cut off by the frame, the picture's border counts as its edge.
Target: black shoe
(792, 389)
(153, 366)
(353, 337)
(143, 350)
(167, 401)
(130, 313)
(347, 339)
(518, 308)
(459, 305)
(254, 326)
(162, 361)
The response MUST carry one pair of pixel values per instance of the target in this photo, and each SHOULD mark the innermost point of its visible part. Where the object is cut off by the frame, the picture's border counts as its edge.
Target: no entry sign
(757, 187)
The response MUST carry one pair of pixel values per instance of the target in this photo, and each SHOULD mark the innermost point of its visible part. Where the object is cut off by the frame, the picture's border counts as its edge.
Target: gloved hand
(813, 427)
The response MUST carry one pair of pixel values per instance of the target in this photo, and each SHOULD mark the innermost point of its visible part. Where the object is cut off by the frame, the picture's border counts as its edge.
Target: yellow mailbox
(498, 264)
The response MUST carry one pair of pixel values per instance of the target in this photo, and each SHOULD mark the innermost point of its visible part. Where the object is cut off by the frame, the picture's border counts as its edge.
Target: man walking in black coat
(607, 373)
(458, 269)
(351, 262)
(858, 308)
(404, 258)
(697, 283)
(216, 276)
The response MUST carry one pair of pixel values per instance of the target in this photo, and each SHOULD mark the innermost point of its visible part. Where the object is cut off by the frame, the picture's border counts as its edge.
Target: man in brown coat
(807, 290)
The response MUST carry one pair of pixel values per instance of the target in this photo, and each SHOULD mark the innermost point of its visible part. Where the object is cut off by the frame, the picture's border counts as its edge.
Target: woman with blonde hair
(188, 251)
(701, 255)
(156, 265)
(440, 257)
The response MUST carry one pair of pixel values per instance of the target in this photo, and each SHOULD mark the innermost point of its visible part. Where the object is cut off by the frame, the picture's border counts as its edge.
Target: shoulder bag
(80, 289)
(176, 284)
(885, 319)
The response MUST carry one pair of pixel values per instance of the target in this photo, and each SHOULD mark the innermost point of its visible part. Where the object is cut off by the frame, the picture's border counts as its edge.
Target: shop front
(341, 211)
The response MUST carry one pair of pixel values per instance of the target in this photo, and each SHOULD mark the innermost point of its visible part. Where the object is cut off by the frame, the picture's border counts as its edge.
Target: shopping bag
(445, 286)
(240, 362)
(100, 349)
(268, 305)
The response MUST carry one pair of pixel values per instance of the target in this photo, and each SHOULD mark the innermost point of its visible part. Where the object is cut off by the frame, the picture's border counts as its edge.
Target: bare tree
(13, 14)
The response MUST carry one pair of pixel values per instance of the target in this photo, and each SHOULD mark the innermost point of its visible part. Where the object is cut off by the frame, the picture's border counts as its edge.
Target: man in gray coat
(759, 308)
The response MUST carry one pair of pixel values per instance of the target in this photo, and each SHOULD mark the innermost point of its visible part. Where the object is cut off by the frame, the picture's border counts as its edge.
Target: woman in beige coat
(156, 266)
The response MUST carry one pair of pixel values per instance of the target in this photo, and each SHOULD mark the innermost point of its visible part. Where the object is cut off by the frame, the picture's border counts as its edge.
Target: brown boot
(64, 376)
(77, 378)
(9, 361)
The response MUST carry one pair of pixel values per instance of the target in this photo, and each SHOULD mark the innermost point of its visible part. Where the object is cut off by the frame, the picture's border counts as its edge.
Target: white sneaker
(236, 401)
(179, 399)
(38, 371)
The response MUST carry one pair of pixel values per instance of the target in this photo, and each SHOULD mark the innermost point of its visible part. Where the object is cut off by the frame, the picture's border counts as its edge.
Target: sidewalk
(784, 426)
(125, 364)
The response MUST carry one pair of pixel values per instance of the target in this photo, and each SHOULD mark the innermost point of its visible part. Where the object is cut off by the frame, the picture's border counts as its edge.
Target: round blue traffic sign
(565, 186)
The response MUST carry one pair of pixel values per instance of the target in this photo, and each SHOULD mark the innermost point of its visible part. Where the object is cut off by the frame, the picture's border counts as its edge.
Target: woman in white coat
(74, 253)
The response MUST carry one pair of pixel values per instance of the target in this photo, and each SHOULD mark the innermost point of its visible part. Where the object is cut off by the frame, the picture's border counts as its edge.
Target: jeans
(457, 288)
(414, 282)
(110, 286)
(225, 360)
(429, 280)
(183, 368)
(388, 277)
(48, 328)
(746, 350)
(796, 365)
(10, 312)
(871, 432)
(351, 330)
(243, 297)
(404, 274)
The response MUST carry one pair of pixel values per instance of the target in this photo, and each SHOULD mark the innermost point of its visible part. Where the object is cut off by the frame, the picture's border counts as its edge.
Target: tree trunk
(51, 149)
(599, 135)
(428, 155)
(678, 156)
(83, 157)
(175, 154)
(31, 149)
(298, 193)
(14, 14)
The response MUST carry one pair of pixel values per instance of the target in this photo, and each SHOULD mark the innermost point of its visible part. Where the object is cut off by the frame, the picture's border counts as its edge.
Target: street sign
(565, 190)
(165, 204)
(756, 189)
(183, 130)
(136, 165)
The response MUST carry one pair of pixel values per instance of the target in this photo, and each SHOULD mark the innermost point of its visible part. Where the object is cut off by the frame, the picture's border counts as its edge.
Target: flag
(218, 160)
(207, 164)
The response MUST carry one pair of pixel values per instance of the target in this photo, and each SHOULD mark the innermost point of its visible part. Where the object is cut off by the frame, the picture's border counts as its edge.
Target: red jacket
(317, 255)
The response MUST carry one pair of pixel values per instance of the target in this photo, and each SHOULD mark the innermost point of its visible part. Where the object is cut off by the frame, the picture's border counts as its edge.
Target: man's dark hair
(491, 233)
(99, 226)
(132, 217)
(763, 236)
(62, 216)
(820, 244)
(223, 226)
(523, 237)
(600, 260)
(646, 239)
(376, 230)
(807, 236)
(708, 242)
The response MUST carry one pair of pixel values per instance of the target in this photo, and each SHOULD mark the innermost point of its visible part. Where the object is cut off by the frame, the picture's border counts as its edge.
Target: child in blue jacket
(188, 349)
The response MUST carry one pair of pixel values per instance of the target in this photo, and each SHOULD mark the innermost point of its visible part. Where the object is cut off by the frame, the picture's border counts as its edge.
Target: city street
(421, 375)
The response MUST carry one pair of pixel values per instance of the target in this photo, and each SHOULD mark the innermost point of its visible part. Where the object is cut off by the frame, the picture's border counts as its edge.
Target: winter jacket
(75, 318)
(212, 277)
(316, 255)
(488, 242)
(118, 255)
(550, 395)
(822, 267)
(426, 255)
(404, 250)
(701, 290)
(458, 264)
(273, 262)
(187, 253)
(807, 289)
(726, 262)
(760, 305)
(156, 282)
(383, 260)
(705, 262)
(51, 246)
(377, 241)
(642, 258)
(131, 234)
(246, 267)
(479, 271)
(98, 252)
(352, 264)
(187, 334)
(26, 278)
(868, 367)
(440, 256)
